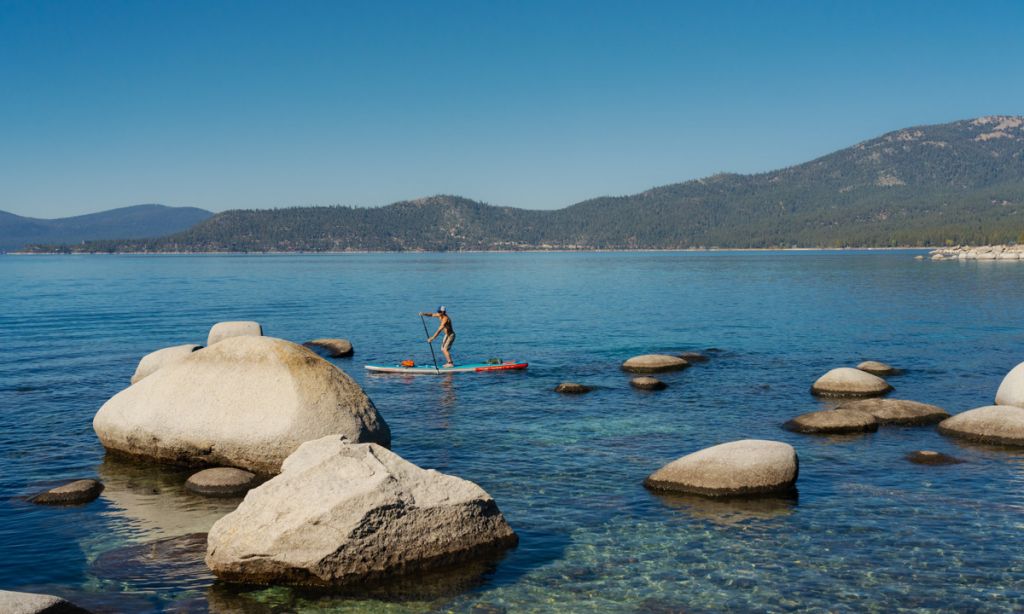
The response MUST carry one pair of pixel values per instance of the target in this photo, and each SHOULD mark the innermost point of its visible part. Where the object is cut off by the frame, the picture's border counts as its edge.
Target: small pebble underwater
(868, 530)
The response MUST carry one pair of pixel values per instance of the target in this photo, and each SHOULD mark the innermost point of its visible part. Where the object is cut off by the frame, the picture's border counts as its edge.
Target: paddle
(427, 332)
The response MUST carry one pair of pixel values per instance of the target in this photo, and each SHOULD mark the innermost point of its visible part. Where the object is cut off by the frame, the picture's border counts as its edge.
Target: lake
(868, 531)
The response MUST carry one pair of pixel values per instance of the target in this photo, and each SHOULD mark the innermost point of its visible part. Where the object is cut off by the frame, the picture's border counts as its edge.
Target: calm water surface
(869, 530)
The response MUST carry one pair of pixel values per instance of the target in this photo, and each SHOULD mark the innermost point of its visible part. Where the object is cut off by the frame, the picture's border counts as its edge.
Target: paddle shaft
(427, 333)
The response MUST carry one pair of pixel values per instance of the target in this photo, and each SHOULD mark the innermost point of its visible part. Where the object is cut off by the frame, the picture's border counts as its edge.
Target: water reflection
(730, 510)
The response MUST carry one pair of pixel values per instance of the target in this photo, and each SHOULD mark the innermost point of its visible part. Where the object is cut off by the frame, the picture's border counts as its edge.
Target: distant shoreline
(488, 251)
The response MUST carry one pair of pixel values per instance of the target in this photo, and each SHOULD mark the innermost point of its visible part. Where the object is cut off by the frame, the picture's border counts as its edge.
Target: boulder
(335, 348)
(898, 411)
(745, 467)
(931, 457)
(12, 602)
(848, 382)
(224, 330)
(654, 363)
(221, 482)
(996, 424)
(833, 422)
(72, 493)
(876, 368)
(342, 514)
(161, 358)
(1011, 390)
(647, 383)
(245, 402)
(572, 388)
(692, 357)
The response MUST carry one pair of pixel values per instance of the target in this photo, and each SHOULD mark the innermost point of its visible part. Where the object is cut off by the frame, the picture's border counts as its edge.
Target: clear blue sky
(530, 104)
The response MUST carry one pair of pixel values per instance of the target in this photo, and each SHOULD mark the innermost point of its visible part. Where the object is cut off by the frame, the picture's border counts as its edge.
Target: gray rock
(692, 357)
(1011, 390)
(876, 368)
(647, 383)
(342, 514)
(335, 348)
(995, 424)
(224, 330)
(161, 358)
(898, 411)
(847, 382)
(72, 493)
(745, 467)
(654, 363)
(931, 457)
(572, 388)
(12, 602)
(245, 402)
(833, 422)
(221, 482)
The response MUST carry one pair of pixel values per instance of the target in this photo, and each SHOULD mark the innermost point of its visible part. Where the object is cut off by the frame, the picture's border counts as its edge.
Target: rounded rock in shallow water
(833, 422)
(993, 424)
(931, 457)
(572, 388)
(225, 330)
(73, 493)
(654, 363)
(12, 602)
(876, 368)
(898, 411)
(849, 382)
(738, 468)
(647, 383)
(334, 348)
(221, 482)
(1011, 389)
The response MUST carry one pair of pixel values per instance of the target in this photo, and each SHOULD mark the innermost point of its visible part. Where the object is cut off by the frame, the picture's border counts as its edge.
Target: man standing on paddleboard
(449, 333)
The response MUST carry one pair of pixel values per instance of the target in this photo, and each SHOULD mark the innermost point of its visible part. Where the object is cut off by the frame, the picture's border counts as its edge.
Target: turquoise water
(869, 531)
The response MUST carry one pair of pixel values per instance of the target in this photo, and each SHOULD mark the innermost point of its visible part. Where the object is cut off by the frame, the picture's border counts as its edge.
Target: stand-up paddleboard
(481, 367)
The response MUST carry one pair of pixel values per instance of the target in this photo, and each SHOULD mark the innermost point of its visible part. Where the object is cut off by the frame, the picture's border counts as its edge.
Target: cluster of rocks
(985, 252)
(645, 365)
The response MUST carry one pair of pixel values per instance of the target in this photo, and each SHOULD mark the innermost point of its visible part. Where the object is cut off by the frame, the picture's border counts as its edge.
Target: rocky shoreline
(983, 252)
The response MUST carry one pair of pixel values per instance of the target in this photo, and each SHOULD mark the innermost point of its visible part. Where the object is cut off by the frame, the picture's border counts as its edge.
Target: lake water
(869, 530)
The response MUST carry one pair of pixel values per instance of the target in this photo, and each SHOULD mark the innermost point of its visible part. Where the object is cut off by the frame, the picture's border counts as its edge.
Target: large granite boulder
(848, 382)
(1011, 390)
(996, 424)
(342, 513)
(72, 493)
(654, 363)
(245, 402)
(745, 467)
(161, 358)
(833, 422)
(224, 330)
(335, 348)
(898, 411)
(12, 602)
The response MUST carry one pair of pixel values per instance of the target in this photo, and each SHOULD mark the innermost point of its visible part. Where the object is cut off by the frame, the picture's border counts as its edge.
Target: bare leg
(448, 356)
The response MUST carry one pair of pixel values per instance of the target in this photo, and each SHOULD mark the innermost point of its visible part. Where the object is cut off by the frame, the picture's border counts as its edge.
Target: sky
(223, 105)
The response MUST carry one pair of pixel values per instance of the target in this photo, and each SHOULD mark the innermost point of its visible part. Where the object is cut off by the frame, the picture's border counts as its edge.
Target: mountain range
(137, 222)
(954, 183)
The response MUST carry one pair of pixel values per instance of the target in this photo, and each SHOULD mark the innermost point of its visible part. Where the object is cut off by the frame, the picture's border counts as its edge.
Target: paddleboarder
(449, 333)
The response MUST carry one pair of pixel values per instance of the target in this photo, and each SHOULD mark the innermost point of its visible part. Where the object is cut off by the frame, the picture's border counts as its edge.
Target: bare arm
(438, 332)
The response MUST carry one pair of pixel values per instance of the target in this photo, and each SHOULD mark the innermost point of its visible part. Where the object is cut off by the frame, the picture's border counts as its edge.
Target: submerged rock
(876, 368)
(931, 457)
(335, 348)
(692, 357)
(654, 363)
(153, 361)
(244, 402)
(221, 482)
(647, 383)
(156, 564)
(572, 388)
(995, 424)
(833, 422)
(898, 411)
(224, 330)
(1011, 390)
(72, 493)
(848, 382)
(745, 467)
(12, 602)
(342, 513)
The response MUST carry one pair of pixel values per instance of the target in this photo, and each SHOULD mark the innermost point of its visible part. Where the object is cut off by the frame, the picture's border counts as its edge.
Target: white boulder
(849, 382)
(161, 358)
(342, 513)
(246, 402)
(995, 424)
(223, 330)
(12, 602)
(745, 467)
(654, 363)
(1011, 390)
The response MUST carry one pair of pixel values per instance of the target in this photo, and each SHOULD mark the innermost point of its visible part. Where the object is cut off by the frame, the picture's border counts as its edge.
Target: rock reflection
(172, 563)
(730, 510)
